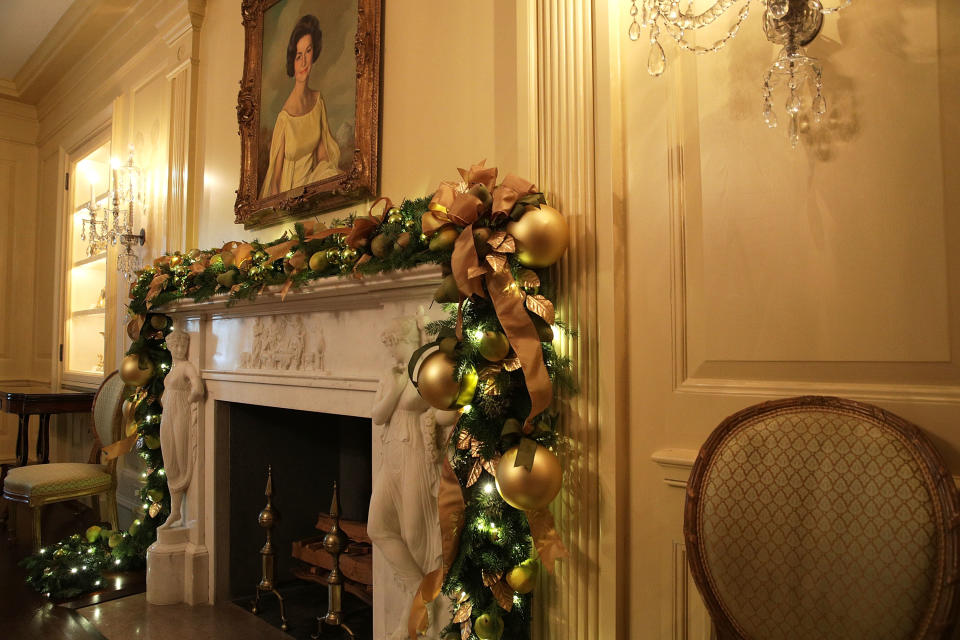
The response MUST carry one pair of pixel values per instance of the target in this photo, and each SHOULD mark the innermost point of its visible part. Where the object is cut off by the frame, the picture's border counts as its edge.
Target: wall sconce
(127, 180)
(793, 24)
(98, 233)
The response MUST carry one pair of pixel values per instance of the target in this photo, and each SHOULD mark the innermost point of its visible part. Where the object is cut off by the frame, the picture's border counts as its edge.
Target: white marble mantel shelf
(324, 294)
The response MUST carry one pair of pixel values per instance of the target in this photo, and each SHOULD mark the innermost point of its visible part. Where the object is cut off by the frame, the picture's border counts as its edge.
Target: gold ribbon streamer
(119, 448)
(507, 300)
(465, 264)
(450, 506)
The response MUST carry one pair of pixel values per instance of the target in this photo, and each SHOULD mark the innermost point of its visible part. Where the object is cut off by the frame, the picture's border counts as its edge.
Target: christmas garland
(492, 359)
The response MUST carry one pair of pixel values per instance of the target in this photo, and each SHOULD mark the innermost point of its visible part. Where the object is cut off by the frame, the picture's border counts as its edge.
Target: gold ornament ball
(136, 371)
(159, 321)
(529, 490)
(542, 236)
(394, 216)
(436, 382)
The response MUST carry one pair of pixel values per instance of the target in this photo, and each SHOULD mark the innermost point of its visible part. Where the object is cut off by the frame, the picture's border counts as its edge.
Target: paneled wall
(18, 248)
(757, 271)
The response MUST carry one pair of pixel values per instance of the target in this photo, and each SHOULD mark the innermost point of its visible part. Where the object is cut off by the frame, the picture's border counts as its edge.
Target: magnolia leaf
(497, 261)
(475, 472)
(463, 440)
(511, 364)
(466, 630)
(491, 578)
(489, 371)
(135, 325)
(503, 595)
(491, 467)
(502, 242)
(542, 307)
(528, 278)
(463, 612)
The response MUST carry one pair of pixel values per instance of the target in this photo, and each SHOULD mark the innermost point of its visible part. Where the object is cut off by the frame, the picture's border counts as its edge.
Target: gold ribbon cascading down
(462, 208)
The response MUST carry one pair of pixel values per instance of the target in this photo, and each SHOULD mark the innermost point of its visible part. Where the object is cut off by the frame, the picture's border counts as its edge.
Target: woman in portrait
(302, 149)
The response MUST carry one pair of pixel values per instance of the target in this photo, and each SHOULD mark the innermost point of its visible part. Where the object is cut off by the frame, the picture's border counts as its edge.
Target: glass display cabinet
(86, 279)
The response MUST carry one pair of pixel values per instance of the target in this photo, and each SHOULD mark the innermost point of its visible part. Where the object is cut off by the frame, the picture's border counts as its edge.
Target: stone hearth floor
(134, 619)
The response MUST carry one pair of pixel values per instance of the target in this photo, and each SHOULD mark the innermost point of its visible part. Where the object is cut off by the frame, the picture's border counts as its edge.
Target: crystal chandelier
(793, 24)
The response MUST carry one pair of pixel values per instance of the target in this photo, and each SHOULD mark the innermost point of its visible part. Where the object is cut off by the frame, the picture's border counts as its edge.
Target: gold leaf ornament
(542, 307)
(464, 610)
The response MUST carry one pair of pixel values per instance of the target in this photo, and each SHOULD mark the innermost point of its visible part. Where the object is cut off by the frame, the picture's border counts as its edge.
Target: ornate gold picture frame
(308, 108)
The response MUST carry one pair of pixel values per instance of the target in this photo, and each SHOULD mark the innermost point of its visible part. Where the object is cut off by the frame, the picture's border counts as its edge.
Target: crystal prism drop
(770, 117)
(778, 8)
(657, 61)
(634, 31)
(794, 133)
(819, 106)
(793, 104)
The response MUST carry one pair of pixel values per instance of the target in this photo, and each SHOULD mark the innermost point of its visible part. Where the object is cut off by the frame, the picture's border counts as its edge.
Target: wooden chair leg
(108, 508)
(37, 528)
(11, 520)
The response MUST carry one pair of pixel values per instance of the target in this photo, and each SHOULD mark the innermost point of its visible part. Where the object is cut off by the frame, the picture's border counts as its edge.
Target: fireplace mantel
(318, 350)
(326, 294)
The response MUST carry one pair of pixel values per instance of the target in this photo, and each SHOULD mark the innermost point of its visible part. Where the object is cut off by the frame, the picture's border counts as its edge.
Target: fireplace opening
(307, 452)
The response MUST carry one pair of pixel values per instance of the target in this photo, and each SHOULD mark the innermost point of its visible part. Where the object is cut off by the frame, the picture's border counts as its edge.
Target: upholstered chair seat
(41, 484)
(57, 477)
(823, 518)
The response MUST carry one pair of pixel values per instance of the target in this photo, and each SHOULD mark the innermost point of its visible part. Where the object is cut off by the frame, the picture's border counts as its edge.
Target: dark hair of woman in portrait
(306, 25)
(302, 149)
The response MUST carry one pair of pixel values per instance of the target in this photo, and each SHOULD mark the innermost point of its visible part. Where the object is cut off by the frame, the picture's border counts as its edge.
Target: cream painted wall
(442, 62)
(756, 271)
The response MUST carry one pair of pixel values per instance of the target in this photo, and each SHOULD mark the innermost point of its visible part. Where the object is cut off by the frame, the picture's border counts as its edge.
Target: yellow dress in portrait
(299, 137)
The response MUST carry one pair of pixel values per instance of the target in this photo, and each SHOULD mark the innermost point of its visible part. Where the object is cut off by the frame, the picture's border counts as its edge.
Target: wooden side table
(43, 402)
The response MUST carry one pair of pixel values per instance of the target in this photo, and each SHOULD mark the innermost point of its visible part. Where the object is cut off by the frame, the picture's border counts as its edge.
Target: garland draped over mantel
(492, 359)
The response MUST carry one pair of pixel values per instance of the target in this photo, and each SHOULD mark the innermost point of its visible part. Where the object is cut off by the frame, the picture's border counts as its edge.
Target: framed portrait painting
(308, 108)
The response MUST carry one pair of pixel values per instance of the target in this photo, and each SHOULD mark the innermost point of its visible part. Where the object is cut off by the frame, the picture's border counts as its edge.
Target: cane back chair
(823, 518)
(41, 484)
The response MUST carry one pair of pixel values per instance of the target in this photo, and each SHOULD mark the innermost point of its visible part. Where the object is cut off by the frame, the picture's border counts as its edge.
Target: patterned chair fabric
(823, 518)
(57, 478)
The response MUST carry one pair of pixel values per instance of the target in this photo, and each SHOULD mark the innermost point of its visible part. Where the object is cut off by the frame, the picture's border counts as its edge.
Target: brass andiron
(334, 543)
(267, 519)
